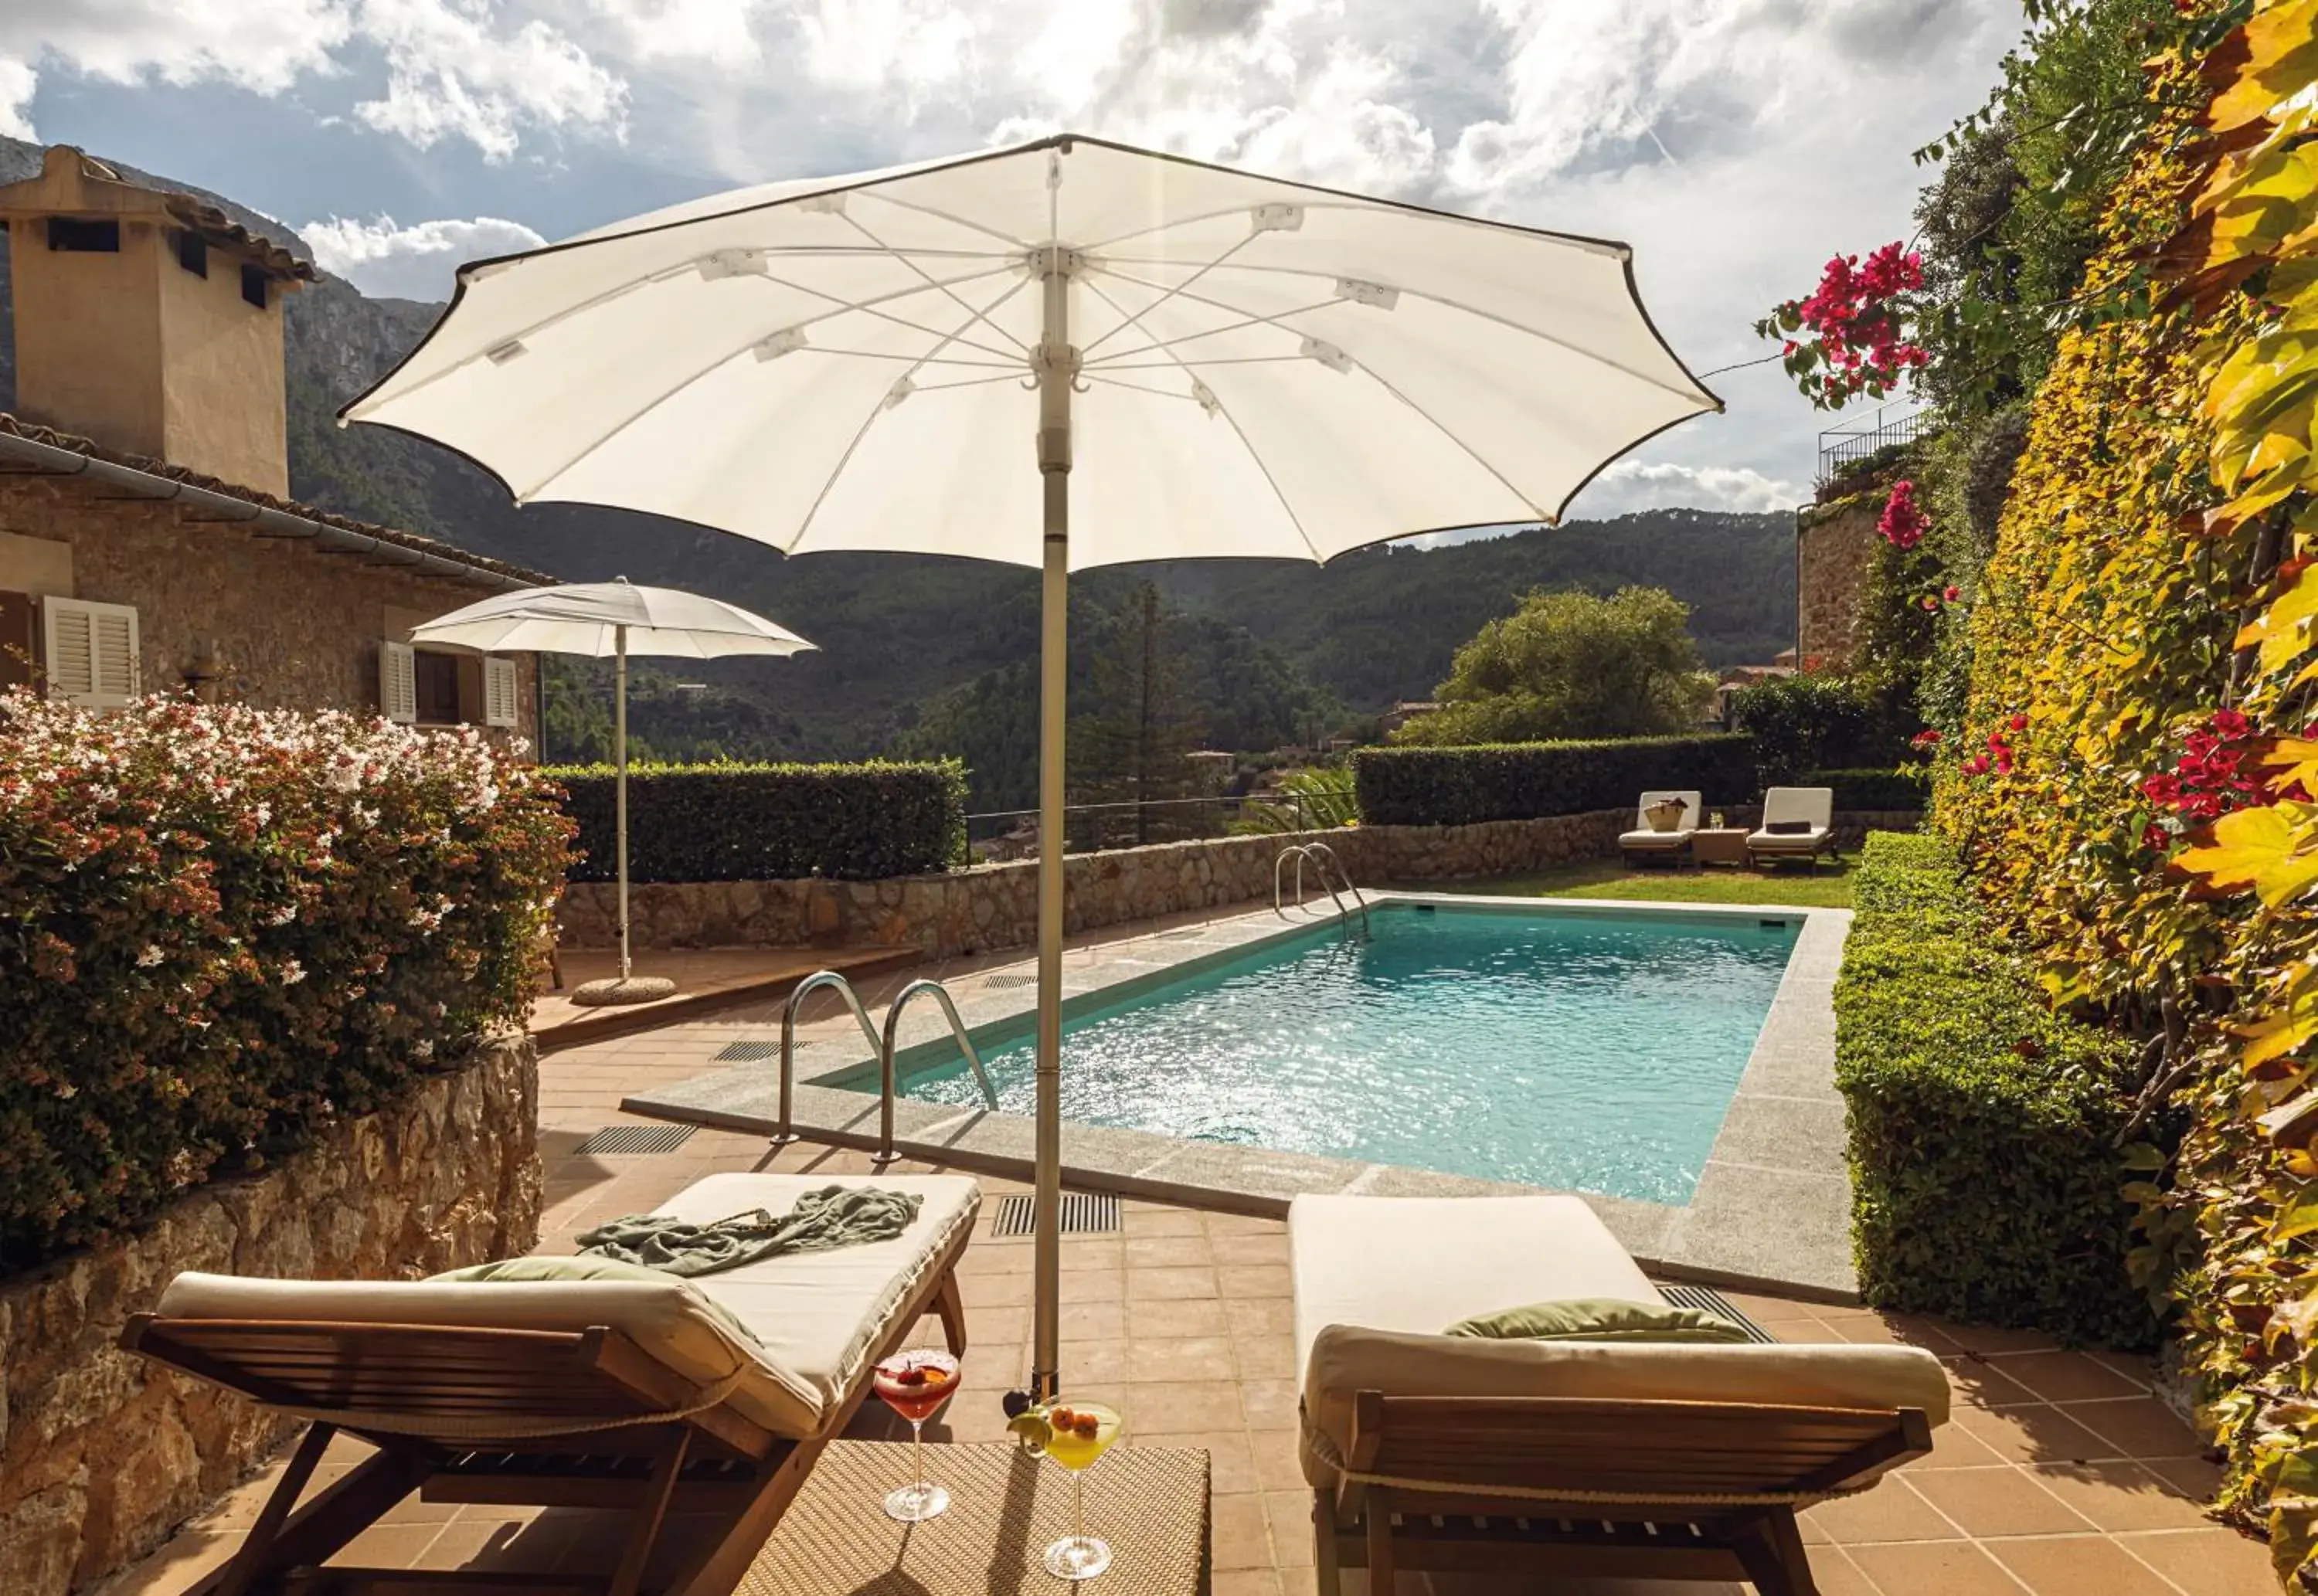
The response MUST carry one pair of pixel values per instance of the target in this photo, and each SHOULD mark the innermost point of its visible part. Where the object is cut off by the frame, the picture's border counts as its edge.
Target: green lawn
(1829, 886)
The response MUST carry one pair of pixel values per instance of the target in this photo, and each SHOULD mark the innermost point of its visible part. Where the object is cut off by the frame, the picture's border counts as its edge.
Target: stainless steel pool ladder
(1323, 860)
(784, 1131)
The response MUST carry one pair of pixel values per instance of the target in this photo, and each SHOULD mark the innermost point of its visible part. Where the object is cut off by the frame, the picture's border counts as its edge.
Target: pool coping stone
(1772, 1209)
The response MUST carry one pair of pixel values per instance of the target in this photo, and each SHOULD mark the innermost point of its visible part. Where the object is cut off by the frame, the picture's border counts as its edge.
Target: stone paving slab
(1772, 1208)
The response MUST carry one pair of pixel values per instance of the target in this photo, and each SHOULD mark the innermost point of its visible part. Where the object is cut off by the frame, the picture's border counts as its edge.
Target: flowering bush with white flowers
(221, 927)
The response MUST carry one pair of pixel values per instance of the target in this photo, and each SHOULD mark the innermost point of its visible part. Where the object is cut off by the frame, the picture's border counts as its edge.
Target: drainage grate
(1009, 981)
(629, 1139)
(748, 1053)
(1714, 1303)
(1084, 1214)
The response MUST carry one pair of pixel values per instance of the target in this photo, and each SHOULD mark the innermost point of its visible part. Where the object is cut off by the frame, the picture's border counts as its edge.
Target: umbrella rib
(1419, 293)
(540, 484)
(1467, 449)
(1019, 345)
(532, 330)
(1232, 421)
(1277, 319)
(1134, 319)
(835, 471)
(1014, 245)
(1379, 207)
(1175, 361)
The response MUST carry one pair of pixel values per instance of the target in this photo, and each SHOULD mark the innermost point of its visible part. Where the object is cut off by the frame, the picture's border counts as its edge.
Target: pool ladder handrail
(784, 1128)
(1324, 859)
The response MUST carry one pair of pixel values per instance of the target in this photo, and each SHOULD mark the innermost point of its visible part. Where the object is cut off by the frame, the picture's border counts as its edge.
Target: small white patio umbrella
(612, 620)
(1222, 364)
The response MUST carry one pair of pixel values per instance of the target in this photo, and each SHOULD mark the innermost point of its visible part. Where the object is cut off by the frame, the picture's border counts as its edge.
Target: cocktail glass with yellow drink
(1073, 1434)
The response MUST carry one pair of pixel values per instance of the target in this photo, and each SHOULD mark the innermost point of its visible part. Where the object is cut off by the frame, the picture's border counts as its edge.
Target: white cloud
(909, 46)
(450, 76)
(719, 32)
(1647, 485)
(17, 82)
(410, 262)
(466, 70)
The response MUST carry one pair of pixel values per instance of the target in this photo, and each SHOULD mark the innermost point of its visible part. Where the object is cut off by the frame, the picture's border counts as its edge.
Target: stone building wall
(1836, 551)
(300, 628)
(993, 906)
(101, 1454)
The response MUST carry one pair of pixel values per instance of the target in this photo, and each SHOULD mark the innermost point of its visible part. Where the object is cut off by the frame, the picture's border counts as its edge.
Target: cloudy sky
(1735, 143)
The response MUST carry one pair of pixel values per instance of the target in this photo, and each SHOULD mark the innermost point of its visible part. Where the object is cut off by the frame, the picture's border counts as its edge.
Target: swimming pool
(1583, 1050)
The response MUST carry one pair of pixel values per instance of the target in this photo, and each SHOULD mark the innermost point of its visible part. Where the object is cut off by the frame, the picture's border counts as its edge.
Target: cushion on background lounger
(1599, 1318)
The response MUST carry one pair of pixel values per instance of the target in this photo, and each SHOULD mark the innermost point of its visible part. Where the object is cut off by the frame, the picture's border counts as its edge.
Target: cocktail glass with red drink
(915, 1384)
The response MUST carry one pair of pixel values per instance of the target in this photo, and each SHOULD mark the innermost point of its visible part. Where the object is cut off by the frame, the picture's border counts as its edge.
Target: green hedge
(221, 928)
(1987, 1183)
(1887, 790)
(1521, 781)
(770, 822)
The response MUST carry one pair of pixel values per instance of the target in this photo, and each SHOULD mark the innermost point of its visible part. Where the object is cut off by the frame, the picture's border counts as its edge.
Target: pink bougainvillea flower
(1929, 737)
(1902, 523)
(2230, 726)
(1951, 592)
(2020, 722)
(1931, 604)
(1976, 766)
(2155, 837)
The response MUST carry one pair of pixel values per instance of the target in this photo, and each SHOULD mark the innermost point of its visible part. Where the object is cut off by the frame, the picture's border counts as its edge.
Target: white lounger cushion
(815, 1315)
(821, 1314)
(1814, 806)
(1642, 836)
(1378, 1278)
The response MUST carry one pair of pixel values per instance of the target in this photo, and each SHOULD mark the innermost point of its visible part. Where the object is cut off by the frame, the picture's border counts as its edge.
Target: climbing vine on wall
(2145, 625)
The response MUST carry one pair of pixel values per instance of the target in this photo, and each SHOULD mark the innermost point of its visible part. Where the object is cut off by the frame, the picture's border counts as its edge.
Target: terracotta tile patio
(2062, 1473)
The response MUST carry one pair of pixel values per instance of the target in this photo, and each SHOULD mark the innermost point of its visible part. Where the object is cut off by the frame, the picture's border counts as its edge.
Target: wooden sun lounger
(714, 1460)
(1491, 1466)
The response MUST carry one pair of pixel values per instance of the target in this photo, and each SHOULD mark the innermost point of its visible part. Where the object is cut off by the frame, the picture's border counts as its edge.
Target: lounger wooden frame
(1686, 1455)
(716, 1460)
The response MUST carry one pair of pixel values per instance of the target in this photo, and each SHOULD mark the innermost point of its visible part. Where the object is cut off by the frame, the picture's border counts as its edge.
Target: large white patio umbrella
(1219, 363)
(612, 620)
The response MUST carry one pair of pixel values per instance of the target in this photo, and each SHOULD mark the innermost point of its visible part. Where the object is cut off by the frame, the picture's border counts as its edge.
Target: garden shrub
(1890, 788)
(1810, 721)
(1988, 1181)
(1521, 781)
(770, 822)
(221, 927)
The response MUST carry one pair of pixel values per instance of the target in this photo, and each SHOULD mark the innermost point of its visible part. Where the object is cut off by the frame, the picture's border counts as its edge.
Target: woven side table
(1150, 1503)
(1719, 846)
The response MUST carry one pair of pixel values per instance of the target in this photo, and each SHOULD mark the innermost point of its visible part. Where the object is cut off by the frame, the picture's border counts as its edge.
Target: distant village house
(147, 540)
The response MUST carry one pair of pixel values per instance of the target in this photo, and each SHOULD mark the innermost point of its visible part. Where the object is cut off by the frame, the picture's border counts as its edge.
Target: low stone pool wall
(101, 1454)
(991, 907)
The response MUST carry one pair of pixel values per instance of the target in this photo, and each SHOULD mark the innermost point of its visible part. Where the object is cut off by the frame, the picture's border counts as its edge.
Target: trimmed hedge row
(1888, 789)
(1987, 1181)
(1522, 781)
(770, 822)
(221, 928)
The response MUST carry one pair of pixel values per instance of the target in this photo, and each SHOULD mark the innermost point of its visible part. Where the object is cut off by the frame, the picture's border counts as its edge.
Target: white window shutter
(89, 651)
(398, 683)
(500, 708)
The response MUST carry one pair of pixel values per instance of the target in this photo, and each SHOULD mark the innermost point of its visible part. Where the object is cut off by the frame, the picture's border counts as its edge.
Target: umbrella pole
(620, 787)
(1056, 363)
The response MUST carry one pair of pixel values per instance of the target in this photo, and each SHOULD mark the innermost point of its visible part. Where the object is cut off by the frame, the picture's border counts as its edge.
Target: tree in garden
(1573, 665)
(1130, 743)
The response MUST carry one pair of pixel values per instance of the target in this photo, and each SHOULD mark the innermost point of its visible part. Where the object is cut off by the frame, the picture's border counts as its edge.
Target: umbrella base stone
(616, 991)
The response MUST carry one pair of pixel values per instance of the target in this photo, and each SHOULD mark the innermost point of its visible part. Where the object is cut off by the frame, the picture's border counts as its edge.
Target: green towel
(833, 1216)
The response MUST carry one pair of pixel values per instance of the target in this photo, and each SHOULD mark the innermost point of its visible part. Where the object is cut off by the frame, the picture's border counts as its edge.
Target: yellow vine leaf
(2273, 849)
(2283, 629)
(2282, 59)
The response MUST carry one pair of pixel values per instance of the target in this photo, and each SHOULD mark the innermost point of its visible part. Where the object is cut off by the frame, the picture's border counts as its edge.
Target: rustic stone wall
(1835, 548)
(991, 907)
(298, 628)
(102, 1455)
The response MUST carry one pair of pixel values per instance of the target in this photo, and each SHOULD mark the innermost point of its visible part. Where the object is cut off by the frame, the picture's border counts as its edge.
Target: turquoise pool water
(1591, 1051)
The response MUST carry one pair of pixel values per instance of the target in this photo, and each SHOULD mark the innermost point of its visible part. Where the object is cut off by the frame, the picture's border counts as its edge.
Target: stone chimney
(149, 321)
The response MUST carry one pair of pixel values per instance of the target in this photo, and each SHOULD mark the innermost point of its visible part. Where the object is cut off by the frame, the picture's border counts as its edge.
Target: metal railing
(1841, 446)
(886, 1086)
(1324, 859)
(782, 1131)
(883, 1046)
(1087, 827)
